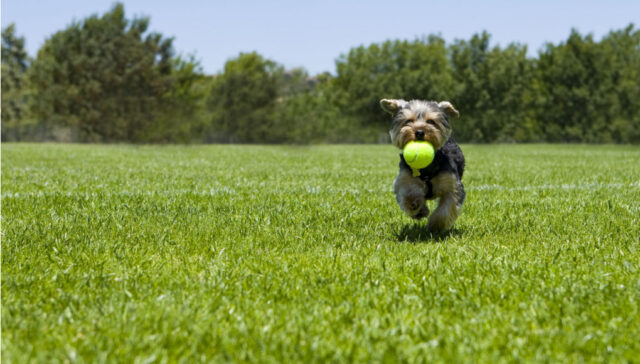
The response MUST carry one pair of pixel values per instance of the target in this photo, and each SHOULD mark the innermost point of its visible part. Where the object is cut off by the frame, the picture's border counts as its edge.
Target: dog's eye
(431, 122)
(408, 121)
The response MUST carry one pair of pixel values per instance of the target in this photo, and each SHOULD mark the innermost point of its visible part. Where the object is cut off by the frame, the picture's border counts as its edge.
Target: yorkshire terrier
(442, 179)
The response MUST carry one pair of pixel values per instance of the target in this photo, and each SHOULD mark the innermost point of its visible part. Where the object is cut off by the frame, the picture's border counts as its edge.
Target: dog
(442, 179)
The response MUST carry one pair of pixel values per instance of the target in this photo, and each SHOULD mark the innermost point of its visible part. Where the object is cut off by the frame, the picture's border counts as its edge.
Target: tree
(623, 91)
(306, 112)
(492, 86)
(106, 77)
(243, 99)
(566, 74)
(393, 69)
(14, 66)
(185, 117)
(588, 90)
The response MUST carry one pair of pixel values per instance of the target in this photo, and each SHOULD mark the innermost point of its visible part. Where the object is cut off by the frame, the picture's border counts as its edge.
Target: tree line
(108, 79)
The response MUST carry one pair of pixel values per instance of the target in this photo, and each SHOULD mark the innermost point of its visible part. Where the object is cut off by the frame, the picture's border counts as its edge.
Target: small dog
(442, 179)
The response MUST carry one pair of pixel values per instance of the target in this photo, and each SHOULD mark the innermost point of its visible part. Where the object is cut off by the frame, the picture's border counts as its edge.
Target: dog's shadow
(417, 233)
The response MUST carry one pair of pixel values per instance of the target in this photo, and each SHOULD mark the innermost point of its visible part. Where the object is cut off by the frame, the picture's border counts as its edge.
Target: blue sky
(312, 34)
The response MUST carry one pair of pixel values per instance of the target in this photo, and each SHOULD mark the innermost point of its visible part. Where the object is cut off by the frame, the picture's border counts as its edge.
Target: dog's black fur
(448, 159)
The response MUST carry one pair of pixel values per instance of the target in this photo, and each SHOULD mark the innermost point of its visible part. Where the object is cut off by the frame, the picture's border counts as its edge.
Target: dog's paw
(439, 224)
(414, 206)
(422, 213)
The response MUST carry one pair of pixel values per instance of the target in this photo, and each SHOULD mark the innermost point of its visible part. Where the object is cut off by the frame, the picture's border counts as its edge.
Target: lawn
(150, 254)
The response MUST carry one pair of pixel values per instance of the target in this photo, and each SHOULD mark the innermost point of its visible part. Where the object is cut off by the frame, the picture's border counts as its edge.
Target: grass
(300, 254)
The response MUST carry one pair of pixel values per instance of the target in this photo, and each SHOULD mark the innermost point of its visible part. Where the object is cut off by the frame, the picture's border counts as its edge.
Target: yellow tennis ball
(418, 155)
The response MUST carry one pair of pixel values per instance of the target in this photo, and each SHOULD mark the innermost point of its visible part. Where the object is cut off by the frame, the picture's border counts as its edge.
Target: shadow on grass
(417, 233)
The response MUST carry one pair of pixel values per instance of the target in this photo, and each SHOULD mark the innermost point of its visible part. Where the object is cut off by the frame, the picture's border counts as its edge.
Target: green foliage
(578, 91)
(298, 113)
(14, 66)
(624, 46)
(492, 84)
(106, 78)
(185, 118)
(586, 87)
(575, 79)
(393, 69)
(243, 100)
(307, 112)
(269, 254)
(256, 101)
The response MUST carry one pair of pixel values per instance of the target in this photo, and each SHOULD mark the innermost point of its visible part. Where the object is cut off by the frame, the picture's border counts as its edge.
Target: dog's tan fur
(410, 193)
(429, 119)
(447, 189)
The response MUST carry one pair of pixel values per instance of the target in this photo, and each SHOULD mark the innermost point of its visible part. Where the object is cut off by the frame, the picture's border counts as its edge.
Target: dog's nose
(419, 134)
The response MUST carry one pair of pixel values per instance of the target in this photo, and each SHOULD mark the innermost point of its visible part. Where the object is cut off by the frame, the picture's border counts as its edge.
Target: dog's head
(419, 120)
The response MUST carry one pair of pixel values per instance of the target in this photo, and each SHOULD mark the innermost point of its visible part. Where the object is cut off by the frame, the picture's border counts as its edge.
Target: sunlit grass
(300, 254)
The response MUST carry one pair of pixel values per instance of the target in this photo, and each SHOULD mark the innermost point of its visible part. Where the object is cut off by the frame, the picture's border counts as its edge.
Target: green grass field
(300, 254)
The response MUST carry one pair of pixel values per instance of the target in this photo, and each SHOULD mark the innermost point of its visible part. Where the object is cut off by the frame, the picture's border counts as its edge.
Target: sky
(313, 34)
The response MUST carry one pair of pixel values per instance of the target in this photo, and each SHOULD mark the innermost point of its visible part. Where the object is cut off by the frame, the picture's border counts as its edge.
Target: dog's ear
(392, 106)
(448, 109)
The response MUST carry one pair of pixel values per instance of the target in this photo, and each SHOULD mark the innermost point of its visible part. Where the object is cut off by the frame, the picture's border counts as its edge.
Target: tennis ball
(418, 155)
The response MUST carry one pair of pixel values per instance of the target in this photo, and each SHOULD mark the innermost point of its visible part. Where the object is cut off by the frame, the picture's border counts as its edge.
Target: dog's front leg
(450, 191)
(410, 194)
